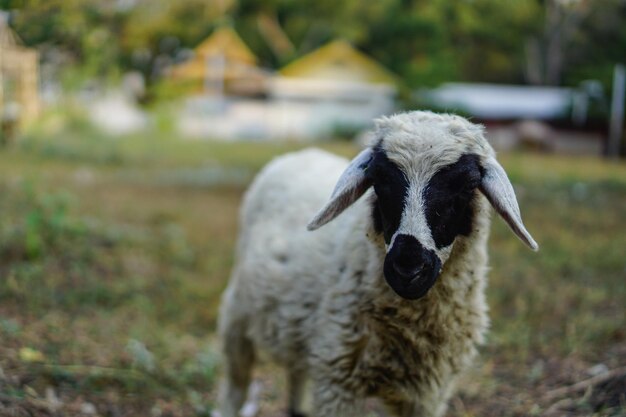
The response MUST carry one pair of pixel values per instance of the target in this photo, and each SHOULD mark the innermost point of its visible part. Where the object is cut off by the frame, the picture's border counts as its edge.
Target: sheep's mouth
(413, 288)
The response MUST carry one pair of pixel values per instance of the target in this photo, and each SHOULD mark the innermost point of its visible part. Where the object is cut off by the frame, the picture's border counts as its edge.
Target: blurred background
(131, 128)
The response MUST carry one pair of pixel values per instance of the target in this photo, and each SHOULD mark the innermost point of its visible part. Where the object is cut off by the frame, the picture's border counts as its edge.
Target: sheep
(386, 301)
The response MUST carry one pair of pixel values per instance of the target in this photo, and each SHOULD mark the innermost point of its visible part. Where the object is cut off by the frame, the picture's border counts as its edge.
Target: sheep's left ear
(351, 185)
(495, 185)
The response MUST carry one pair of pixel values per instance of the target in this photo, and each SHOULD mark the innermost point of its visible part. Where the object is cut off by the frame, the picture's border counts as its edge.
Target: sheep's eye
(463, 183)
(384, 177)
(381, 189)
(449, 195)
(377, 172)
(390, 186)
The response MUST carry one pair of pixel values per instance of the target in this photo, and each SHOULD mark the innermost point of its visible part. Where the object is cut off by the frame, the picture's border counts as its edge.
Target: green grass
(572, 290)
(557, 312)
(114, 252)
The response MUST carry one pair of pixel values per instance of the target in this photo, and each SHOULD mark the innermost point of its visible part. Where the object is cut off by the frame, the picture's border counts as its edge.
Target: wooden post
(616, 128)
(29, 87)
(1, 78)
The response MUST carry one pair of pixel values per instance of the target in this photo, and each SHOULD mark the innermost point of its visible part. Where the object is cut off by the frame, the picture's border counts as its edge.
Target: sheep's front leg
(296, 381)
(402, 408)
(425, 405)
(238, 363)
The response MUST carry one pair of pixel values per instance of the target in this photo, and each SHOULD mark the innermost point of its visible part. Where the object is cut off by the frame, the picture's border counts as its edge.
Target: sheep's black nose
(408, 264)
(410, 269)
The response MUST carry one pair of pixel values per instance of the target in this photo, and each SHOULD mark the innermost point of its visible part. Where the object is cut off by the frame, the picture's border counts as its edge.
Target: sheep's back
(291, 188)
(282, 270)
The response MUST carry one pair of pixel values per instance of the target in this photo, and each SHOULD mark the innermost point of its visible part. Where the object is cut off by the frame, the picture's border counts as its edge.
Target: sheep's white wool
(317, 302)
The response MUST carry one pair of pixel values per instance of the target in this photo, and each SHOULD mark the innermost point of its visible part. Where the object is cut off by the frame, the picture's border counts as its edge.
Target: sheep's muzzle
(410, 269)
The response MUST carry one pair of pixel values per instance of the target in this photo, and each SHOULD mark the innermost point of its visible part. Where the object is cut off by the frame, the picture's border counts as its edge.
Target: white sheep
(387, 300)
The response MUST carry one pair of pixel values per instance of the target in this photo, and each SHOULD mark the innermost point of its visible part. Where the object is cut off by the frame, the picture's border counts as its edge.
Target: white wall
(302, 110)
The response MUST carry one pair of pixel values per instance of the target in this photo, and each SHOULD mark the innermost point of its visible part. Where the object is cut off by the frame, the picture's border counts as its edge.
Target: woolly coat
(317, 302)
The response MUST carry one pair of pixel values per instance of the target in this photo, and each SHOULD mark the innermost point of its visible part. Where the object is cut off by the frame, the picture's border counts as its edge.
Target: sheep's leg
(413, 409)
(238, 362)
(426, 406)
(296, 381)
(403, 408)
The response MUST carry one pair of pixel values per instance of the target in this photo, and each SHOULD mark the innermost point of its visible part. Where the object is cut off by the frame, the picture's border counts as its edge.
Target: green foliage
(425, 42)
(109, 284)
(48, 258)
(86, 31)
(604, 26)
(489, 37)
(544, 300)
(70, 136)
(77, 281)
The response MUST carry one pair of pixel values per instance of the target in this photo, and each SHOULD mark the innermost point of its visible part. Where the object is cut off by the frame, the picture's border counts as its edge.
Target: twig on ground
(559, 406)
(583, 385)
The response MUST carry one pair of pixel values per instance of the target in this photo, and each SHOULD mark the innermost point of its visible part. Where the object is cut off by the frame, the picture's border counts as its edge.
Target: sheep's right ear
(496, 186)
(351, 185)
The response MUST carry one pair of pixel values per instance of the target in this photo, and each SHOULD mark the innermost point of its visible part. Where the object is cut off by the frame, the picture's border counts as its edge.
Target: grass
(558, 312)
(114, 252)
(580, 267)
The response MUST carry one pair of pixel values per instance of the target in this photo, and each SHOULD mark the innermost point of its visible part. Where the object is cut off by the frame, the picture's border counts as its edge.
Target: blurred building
(222, 65)
(517, 116)
(333, 90)
(19, 80)
(503, 102)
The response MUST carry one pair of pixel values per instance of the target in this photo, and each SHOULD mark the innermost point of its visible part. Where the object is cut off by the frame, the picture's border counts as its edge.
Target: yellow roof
(227, 43)
(221, 53)
(338, 60)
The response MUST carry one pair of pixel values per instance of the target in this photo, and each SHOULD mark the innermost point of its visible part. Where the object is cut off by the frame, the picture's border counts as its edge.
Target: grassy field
(113, 255)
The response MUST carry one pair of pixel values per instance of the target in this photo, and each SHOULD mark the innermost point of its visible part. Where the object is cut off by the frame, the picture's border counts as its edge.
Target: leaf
(31, 355)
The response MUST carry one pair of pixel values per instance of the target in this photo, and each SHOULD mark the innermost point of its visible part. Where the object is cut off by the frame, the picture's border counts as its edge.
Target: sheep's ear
(350, 186)
(497, 188)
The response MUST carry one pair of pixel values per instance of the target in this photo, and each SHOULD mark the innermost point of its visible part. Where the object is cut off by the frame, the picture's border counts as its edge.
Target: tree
(425, 42)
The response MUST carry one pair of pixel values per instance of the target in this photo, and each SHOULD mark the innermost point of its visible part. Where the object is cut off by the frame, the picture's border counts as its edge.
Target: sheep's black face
(448, 199)
(391, 187)
(412, 266)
